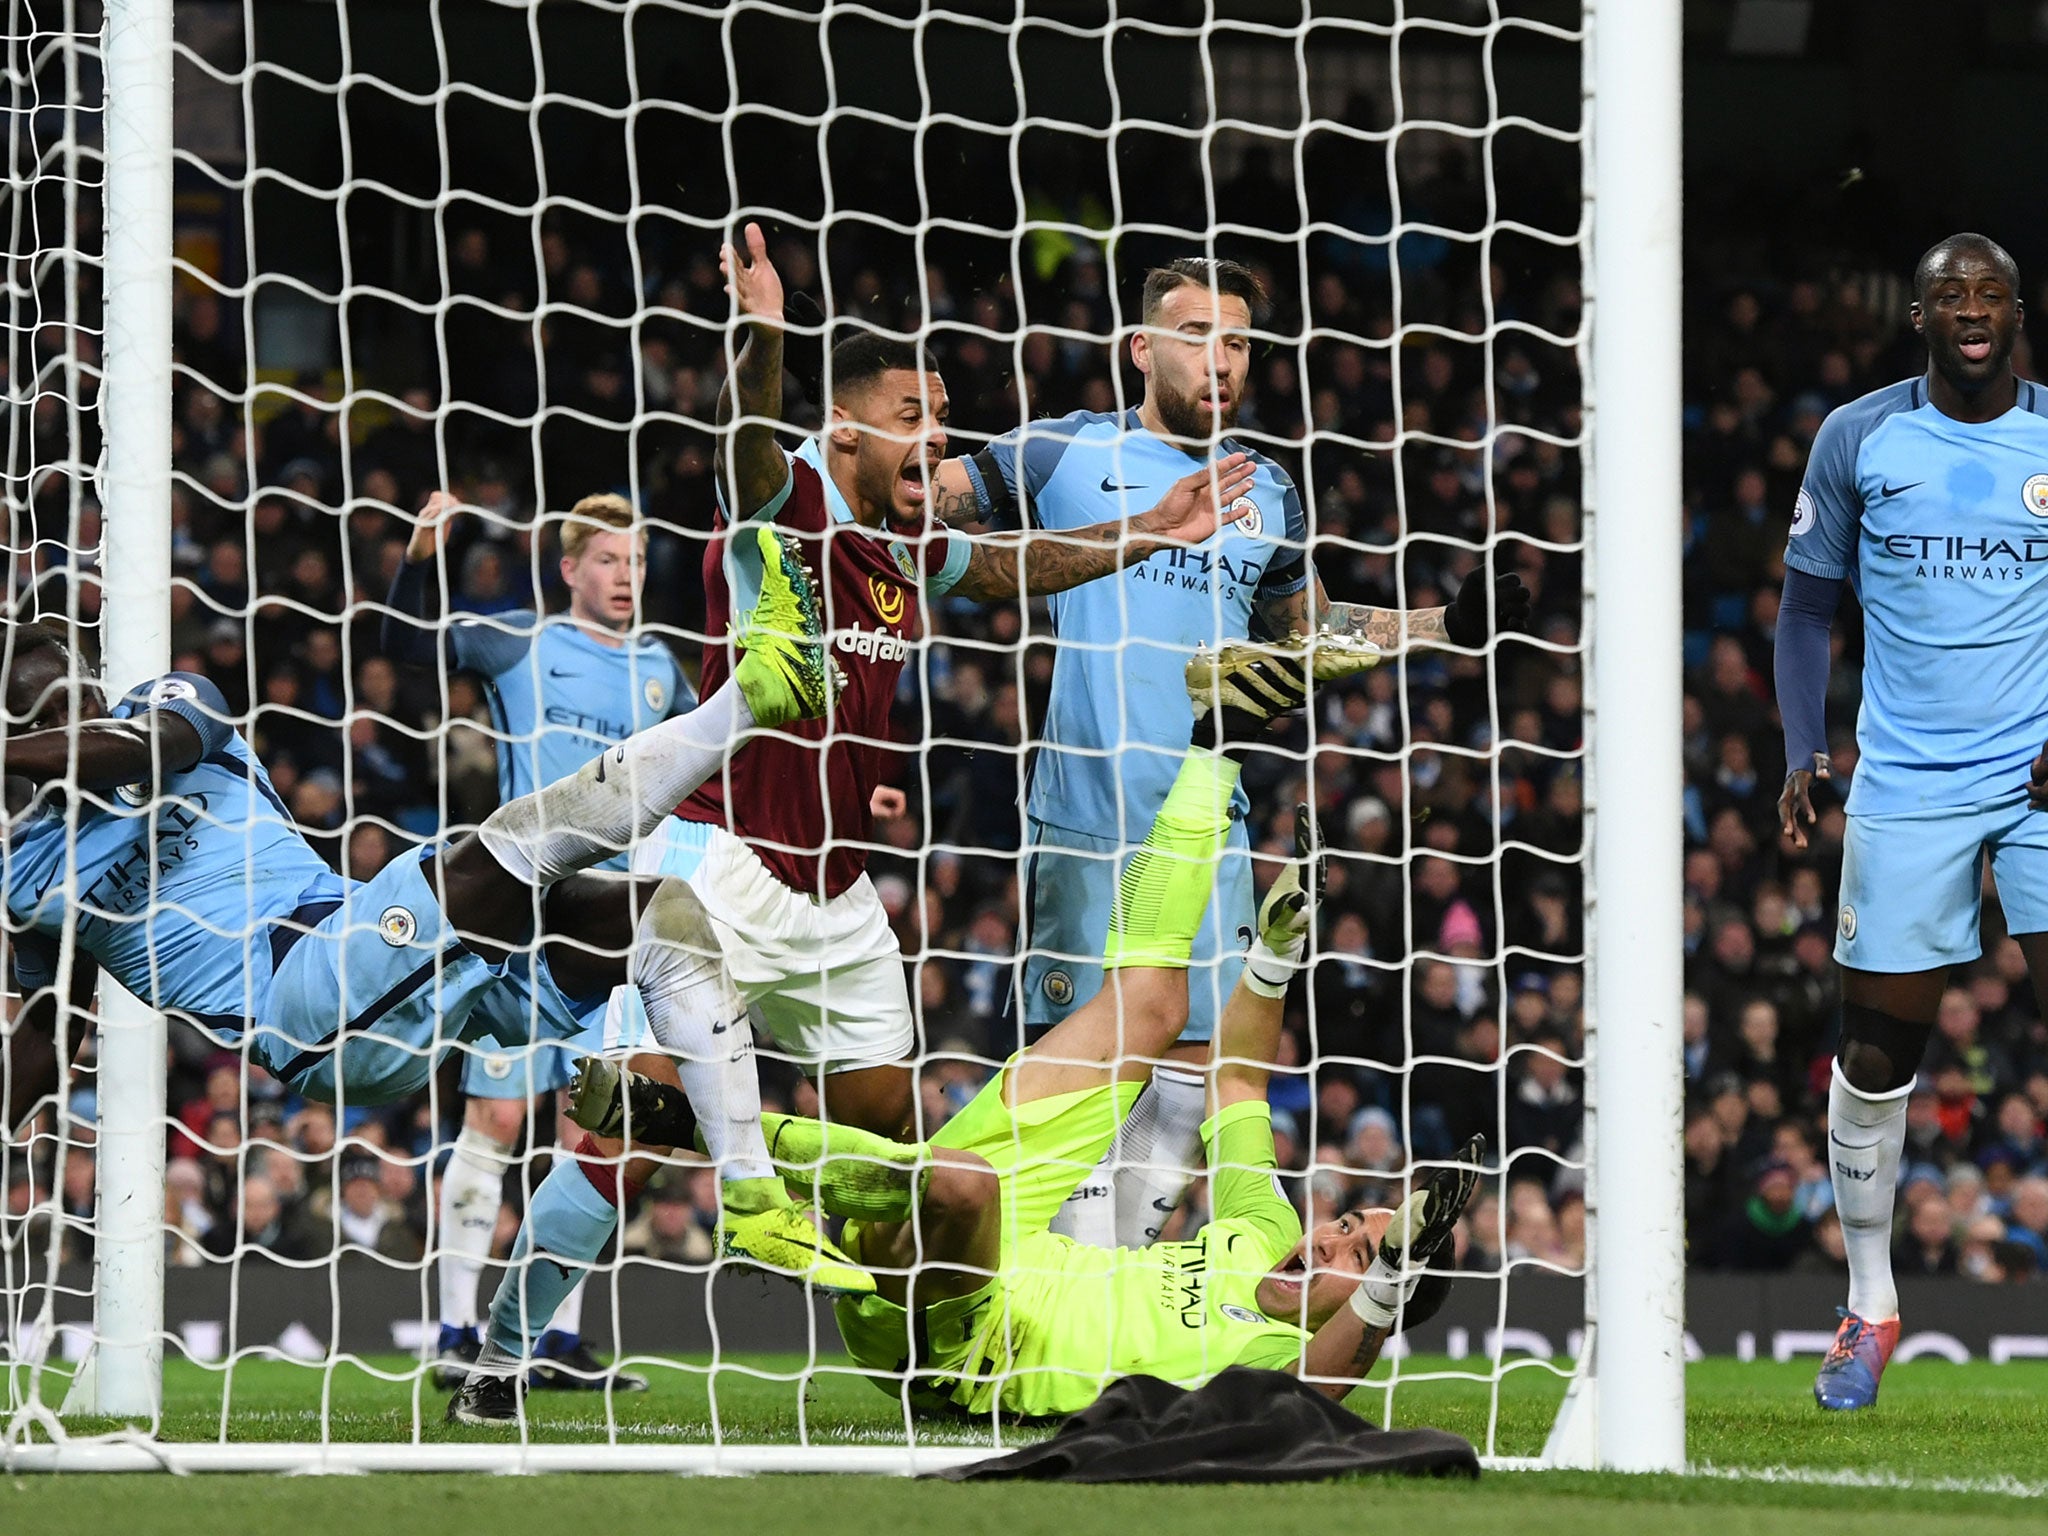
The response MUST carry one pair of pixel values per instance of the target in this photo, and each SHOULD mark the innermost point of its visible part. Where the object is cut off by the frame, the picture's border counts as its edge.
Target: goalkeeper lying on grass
(983, 1306)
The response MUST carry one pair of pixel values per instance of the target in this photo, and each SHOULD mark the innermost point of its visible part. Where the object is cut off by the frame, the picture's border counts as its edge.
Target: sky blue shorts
(367, 994)
(1070, 887)
(620, 1027)
(1912, 883)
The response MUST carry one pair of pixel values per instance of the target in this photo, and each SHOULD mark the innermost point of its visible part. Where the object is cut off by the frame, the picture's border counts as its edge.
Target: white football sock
(619, 796)
(1866, 1136)
(472, 1190)
(698, 1018)
(1159, 1142)
(1126, 1199)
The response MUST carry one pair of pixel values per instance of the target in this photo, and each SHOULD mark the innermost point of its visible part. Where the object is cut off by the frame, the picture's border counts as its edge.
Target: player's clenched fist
(751, 278)
(430, 533)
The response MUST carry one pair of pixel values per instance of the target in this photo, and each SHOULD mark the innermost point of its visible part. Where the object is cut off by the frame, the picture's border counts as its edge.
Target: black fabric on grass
(1245, 1426)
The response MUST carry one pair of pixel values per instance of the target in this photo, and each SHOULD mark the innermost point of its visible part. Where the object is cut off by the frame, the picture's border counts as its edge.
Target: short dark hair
(1227, 277)
(861, 358)
(1930, 263)
(25, 637)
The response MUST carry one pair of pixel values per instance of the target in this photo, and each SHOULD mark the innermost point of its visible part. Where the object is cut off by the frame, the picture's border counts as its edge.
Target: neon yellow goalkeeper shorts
(1040, 1151)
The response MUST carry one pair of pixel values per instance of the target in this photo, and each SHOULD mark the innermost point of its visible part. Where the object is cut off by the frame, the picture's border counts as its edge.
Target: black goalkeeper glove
(1421, 1230)
(1465, 620)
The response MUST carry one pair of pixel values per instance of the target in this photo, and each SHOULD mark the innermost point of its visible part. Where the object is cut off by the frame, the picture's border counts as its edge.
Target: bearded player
(1930, 499)
(982, 1308)
(782, 916)
(562, 689)
(1118, 719)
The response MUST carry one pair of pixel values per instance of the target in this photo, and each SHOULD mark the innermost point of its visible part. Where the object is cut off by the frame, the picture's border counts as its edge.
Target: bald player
(1929, 498)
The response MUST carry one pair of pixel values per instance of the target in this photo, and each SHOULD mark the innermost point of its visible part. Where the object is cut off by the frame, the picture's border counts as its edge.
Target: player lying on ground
(187, 881)
(986, 1307)
(1118, 717)
(1928, 497)
(564, 687)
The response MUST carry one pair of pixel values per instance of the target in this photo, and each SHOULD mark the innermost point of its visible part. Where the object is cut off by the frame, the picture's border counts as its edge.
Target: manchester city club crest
(1249, 522)
(655, 694)
(1239, 1314)
(1059, 988)
(2035, 494)
(1848, 922)
(397, 926)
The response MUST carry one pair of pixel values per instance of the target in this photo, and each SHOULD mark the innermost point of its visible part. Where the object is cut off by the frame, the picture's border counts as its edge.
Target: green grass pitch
(1946, 1432)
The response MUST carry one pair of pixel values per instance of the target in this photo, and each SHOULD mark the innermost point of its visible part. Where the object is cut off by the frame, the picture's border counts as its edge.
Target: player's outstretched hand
(430, 532)
(750, 277)
(1465, 620)
(1795, 801)
(1196, 505)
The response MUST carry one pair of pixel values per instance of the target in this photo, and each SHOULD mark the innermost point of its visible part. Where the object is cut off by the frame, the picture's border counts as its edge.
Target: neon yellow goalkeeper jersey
(1079, 1317)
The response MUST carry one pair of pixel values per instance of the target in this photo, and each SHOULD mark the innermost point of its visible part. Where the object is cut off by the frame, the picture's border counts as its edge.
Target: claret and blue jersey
(1941, 528)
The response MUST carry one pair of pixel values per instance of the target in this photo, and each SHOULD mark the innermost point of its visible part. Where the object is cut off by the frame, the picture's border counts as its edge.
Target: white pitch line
(2007, 1485)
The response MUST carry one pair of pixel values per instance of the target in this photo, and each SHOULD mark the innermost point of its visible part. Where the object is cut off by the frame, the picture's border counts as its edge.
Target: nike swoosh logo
(1884, 492)
(1107, 486)
(601, 758)
(559, 672)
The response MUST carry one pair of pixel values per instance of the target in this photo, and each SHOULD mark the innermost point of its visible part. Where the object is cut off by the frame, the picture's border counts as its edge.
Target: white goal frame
(1624, 1409)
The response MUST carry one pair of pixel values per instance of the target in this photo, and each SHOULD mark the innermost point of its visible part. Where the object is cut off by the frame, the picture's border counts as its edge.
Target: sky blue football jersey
(559, 697)
(1941, 527)
(227, 860)
(1118, 723)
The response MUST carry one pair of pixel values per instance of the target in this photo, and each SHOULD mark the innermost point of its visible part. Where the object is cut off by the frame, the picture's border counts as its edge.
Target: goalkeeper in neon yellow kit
(986, 1309)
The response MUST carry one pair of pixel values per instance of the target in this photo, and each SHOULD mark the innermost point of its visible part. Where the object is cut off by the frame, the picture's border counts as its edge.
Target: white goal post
(1624, 1407)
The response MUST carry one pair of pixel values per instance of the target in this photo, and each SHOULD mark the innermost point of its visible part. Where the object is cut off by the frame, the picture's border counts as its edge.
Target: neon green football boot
(783, 671)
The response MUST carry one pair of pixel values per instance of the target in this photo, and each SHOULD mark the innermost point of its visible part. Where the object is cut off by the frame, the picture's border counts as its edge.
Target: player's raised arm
(749, 468)
(1038, 562)
(1248, 1034)
(1395, 1292)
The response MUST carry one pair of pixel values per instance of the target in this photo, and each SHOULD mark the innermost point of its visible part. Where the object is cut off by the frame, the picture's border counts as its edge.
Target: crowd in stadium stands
(278, 606)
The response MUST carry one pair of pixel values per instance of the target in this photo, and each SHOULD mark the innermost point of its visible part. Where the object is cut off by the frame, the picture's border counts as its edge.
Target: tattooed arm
(749, 466)
(1341, 1354)
(954, 501)
(1040, 561)
(1391, 629)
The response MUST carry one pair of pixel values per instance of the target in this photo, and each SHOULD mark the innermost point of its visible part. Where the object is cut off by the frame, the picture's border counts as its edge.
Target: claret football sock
(619, 796)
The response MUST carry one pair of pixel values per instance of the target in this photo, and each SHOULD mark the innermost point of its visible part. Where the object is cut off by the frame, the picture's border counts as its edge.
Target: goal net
(472, 247)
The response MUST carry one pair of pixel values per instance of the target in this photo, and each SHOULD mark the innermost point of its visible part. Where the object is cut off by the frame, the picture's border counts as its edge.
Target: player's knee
(1880, 1052)
(878, 1099)
(959, 1190)
(502, 1120)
